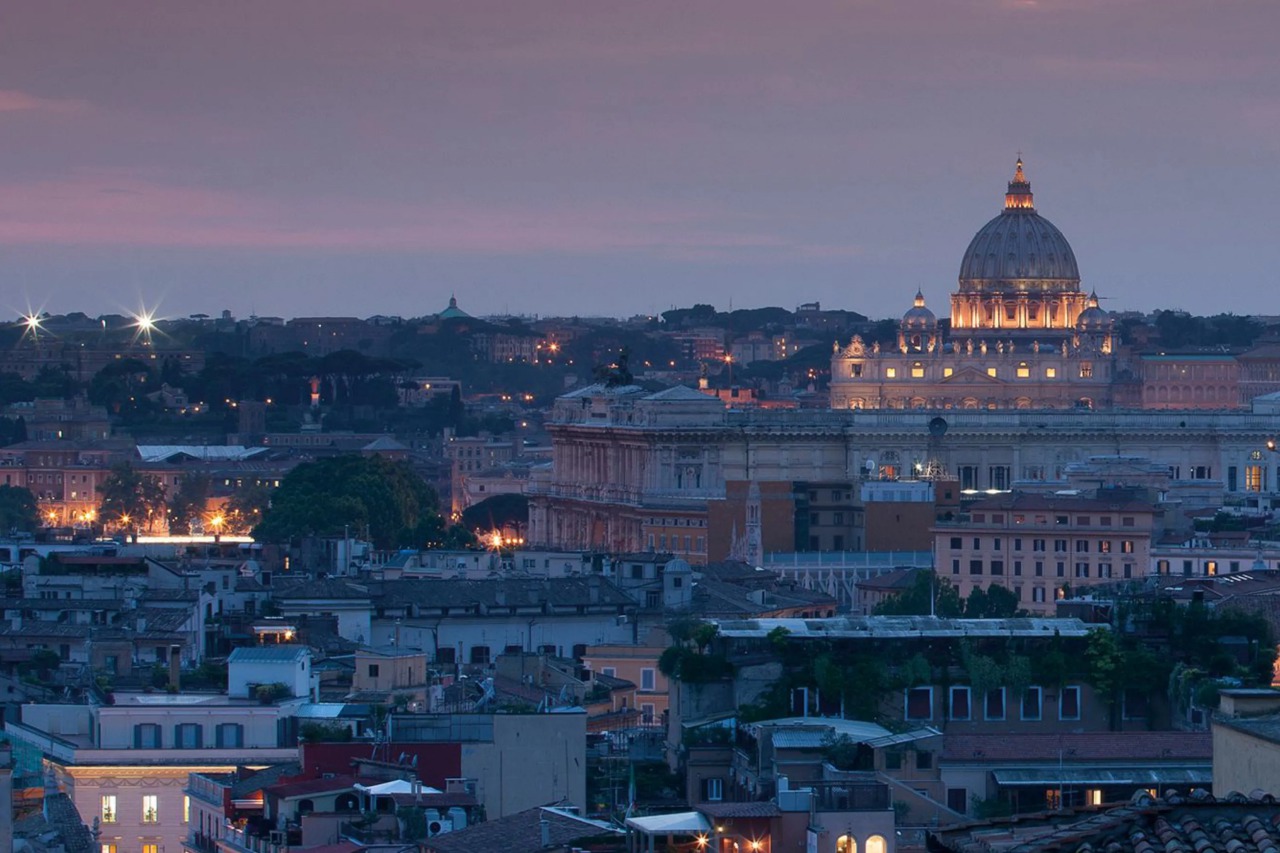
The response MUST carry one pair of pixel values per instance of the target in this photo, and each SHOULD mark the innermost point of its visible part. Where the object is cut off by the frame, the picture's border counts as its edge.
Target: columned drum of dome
(1019, 272)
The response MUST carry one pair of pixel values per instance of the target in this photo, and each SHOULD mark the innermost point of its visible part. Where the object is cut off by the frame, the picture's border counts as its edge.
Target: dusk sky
(309, 157)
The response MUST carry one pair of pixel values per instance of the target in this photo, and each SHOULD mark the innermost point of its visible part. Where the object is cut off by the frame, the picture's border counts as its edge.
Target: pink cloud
(12, 101)
(130, 210)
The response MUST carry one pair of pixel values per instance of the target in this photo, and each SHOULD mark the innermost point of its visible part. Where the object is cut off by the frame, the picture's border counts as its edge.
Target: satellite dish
(938, 427)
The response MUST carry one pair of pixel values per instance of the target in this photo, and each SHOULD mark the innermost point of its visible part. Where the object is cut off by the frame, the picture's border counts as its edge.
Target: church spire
(1019, 195)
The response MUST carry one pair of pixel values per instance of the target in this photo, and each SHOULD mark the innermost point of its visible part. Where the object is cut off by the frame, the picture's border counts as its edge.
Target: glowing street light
(144, 323)
(34, 326)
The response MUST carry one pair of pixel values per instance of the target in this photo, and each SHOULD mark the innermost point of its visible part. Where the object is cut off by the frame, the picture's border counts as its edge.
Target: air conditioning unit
(439, 827)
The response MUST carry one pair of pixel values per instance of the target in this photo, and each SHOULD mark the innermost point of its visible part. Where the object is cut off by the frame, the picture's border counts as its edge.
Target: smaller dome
(1093, 317)
(919, 316)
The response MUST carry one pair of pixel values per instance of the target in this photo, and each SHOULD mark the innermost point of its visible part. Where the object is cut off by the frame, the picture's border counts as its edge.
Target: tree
(497, 512)
(995, 602)
(188, 504)
(18, 509)
(246, 508)
(367, 495)
(130, 497)
(927, 594)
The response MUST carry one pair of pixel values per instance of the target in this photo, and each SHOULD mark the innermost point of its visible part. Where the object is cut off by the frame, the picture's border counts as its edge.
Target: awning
(1139, 777)
(679, 823)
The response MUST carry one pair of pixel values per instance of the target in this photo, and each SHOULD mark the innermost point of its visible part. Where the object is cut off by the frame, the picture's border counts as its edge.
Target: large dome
(1019, 249)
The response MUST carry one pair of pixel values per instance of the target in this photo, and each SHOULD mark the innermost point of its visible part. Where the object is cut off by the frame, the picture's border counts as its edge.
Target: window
(891, 372)
(1069, 704)
(107, 848)
(1135, 704)
(996, 543)
(919, 701)
(146, 736)
(1104, 547)
(975, 567)
(1032, 697)
(994, 709)
(1086, 370)
(956, 543)
(1037, 544)
(186, 810)
(1017, 568)
(151, 848)
(109, 808)
(646, 679)
(1126, 546)
(959, 703)
(955, 567)
(229, 735)
(1059, 546)
(1082, 546)
(1017, 544)
(997, 567)
(924, 760)
(875, 844)
(958, 800)
(188, 736)
(947, 371)
(991, 371)
(1093, 797)
(374, 669)
(1024, 371)
(713, 790)
(1037, 594)
(479, 654)
(893, 760)
(917, 370)
(150, 808)
(1050, 373)
(608, 671)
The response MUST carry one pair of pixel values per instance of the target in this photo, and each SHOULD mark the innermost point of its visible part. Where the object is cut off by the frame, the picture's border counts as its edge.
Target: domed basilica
(1022, 333)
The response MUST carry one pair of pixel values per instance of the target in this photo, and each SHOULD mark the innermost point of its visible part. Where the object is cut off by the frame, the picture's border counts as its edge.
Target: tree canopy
(368, 495)
(129, 494)
(18, 510)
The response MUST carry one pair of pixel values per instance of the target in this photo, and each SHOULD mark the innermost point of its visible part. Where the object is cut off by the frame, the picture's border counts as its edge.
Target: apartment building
(1042, 547)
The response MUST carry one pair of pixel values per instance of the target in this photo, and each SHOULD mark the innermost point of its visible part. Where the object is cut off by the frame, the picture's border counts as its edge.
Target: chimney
(593, 588)
(545, 826)
(175, 667)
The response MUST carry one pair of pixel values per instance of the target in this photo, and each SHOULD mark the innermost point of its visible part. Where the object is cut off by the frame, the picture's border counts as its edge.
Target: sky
(315, 157)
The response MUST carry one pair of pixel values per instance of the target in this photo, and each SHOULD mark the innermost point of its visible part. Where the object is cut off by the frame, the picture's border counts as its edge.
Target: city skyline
(314, 159)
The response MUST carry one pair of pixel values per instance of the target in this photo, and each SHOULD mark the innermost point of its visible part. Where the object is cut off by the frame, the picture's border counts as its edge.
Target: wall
(1243, 762)
(534, 759)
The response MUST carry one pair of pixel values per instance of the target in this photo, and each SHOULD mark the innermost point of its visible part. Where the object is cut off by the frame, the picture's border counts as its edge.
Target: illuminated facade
(1023, 335)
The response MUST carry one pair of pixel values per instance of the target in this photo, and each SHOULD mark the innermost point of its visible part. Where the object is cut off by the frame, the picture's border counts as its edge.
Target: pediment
(972, 376)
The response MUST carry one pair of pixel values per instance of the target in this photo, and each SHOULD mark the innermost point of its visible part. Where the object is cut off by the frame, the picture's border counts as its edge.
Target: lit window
(109, 808)
(991, 371)
(917, 370)
(875, 844)
(1086, 370)
(150, 808)
(1024, 372)
(186, 810)
(1050, 373)
(151, 848)
(846, 844)
(108, 848)
(947, 371)
(891, 372)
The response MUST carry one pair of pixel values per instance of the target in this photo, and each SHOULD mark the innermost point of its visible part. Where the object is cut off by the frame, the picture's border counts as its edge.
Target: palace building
(1022, 335)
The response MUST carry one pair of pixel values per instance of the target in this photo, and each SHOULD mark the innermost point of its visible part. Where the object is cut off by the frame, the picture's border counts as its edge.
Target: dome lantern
(1019, 195)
